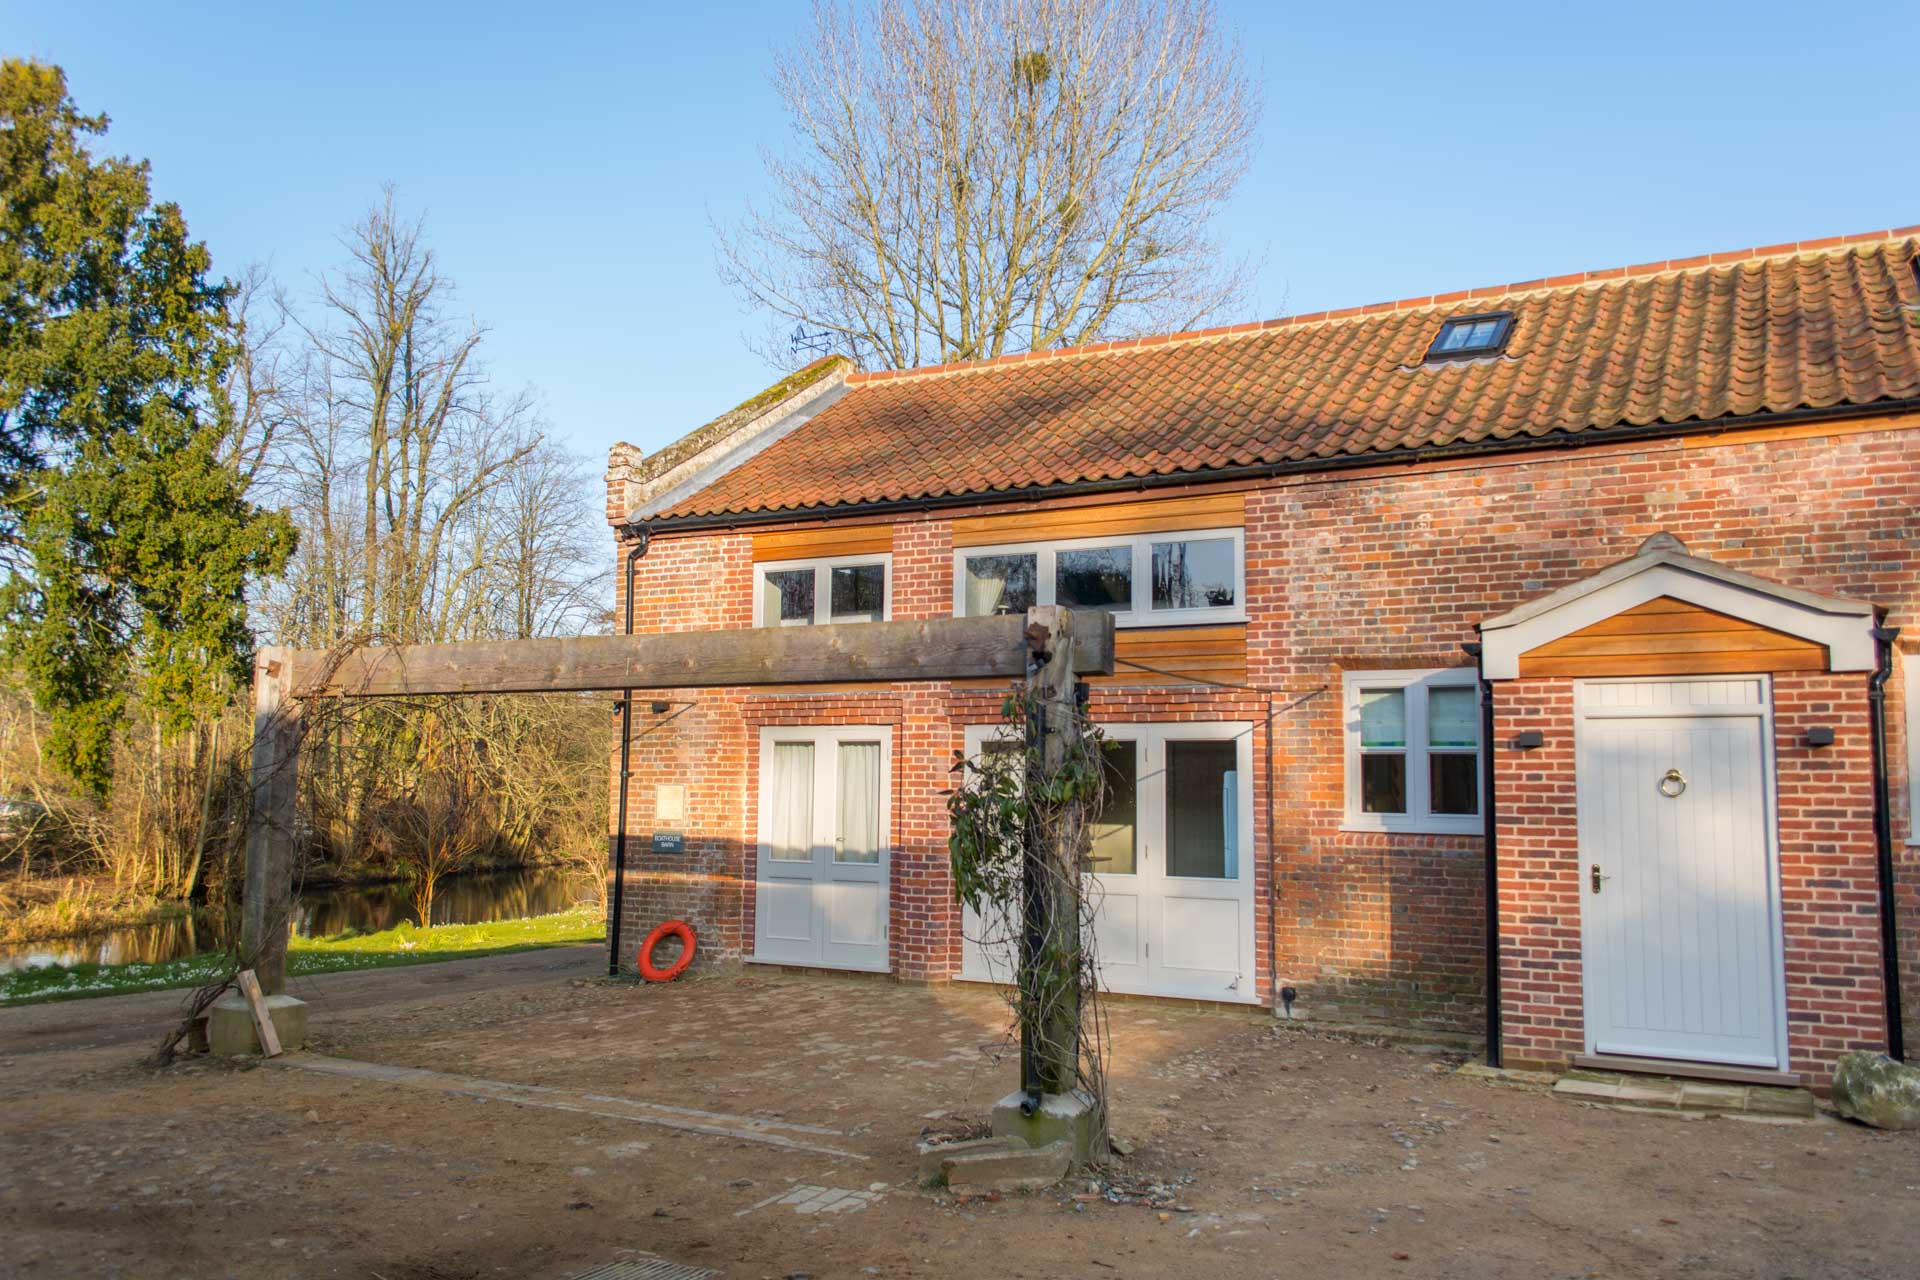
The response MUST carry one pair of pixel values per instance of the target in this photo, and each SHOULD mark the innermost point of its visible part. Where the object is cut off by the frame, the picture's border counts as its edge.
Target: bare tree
(431, 507)
(396, 442)
(974, 178)
(436, 828)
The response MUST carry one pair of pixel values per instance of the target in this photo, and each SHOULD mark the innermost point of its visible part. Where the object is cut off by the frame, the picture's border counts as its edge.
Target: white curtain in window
(791, 837)
(985, 588)
(859, 833)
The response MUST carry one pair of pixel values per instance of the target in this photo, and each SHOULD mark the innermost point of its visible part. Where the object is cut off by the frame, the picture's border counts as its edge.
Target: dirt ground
(696, 1121)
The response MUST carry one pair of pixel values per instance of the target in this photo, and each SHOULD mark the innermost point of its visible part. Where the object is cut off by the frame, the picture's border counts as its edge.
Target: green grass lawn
(403, 944)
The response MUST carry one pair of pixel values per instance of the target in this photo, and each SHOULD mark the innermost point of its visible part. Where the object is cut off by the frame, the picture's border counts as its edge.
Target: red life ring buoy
(679, 929)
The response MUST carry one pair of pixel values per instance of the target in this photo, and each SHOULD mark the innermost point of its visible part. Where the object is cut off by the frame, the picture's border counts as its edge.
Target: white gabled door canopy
(1662, 567)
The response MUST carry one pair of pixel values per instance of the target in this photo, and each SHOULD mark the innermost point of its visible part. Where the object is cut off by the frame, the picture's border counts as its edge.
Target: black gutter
(1557, 441)
(1490, 820)
(1883, 638)
(638, 550)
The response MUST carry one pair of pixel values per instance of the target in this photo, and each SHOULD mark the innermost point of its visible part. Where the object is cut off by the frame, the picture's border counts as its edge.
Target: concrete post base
(1062, 1117)
(230, 1030)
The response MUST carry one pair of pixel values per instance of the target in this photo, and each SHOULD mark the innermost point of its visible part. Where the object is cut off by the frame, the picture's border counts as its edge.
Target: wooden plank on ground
(262, 1020)
(926, 649)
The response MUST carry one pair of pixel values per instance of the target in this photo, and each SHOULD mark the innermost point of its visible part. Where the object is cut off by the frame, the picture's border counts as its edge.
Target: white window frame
(1417, 819)
(1141, 613)
(822, 585)
(1910, 687)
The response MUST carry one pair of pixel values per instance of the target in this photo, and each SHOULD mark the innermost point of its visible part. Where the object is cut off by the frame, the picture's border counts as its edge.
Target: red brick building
(1671, 509)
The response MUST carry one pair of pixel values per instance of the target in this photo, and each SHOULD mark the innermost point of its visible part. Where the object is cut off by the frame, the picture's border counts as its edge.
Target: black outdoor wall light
(1528, 739)
(1820, 735)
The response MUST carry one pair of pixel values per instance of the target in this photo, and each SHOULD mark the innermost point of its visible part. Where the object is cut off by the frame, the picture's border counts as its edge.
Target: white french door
(1679, 871)
(823, 861)
(1171, 876)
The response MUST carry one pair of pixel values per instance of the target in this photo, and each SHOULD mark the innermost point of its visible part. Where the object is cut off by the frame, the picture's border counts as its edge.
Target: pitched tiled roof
(1795, 327)
(746, 411)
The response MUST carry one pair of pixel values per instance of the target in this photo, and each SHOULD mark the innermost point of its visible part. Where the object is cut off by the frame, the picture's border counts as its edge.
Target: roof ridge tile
(1570, 280)
(1816, 332)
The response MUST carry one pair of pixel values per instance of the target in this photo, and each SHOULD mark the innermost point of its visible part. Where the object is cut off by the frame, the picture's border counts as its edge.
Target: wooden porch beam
(928, 649)
(284, 679)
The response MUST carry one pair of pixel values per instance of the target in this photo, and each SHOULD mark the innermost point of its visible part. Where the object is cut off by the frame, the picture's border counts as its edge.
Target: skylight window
(1463, 337)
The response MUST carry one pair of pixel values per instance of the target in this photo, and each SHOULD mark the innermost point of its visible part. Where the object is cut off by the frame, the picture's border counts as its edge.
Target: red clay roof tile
(1716, 336)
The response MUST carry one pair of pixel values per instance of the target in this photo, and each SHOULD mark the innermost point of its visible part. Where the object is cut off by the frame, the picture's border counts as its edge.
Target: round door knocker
(1673, 784)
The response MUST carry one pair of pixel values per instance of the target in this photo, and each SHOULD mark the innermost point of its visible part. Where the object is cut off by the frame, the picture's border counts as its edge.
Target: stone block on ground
(1007, 1168)
(1874, 1089)
(1062, 1117)
(933, 1154)
(230, 1029)
(1765, 1101)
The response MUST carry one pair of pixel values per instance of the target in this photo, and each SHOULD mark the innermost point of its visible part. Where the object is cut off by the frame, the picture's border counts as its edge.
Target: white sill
(1191, 618)
(1225, 617)
(1442, 827)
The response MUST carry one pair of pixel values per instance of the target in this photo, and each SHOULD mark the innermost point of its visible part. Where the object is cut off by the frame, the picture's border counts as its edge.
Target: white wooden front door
(823, 861)
(1171, 884)
(1679, 877)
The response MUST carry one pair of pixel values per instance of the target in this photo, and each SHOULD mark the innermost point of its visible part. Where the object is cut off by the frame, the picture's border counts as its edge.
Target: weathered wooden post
(1050, 1107)
(1050, 881)
(266, 907)
(234, 1021)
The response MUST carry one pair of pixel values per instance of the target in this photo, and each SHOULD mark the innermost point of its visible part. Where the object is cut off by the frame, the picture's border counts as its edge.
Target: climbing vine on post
(1021, 825)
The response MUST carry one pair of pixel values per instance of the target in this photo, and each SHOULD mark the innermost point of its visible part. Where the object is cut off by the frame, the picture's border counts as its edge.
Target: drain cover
(646, 1268)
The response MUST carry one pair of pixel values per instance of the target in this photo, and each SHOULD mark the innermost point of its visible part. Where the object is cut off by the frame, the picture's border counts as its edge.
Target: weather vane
(815, 343)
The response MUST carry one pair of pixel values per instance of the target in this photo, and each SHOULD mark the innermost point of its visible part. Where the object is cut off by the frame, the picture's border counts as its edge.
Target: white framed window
(804, 593)
(1148, 579)
(1413, 751)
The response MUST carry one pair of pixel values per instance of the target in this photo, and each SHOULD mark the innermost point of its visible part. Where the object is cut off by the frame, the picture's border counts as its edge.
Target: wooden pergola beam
(286, 679)
(928, 649)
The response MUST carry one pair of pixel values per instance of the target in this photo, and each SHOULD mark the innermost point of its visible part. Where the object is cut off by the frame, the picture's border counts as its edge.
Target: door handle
(1597, 877)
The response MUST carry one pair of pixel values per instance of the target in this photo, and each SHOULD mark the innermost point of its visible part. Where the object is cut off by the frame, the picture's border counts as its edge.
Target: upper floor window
(800, 593)
(1144, 579)
(1413, 750)
(1464, 336)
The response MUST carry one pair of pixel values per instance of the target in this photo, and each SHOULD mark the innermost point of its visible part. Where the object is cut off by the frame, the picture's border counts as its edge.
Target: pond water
(366, 908)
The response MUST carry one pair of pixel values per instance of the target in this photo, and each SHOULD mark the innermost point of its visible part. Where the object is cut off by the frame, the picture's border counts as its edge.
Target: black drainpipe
(626, 758)
(1883, 638)
(1490, 819)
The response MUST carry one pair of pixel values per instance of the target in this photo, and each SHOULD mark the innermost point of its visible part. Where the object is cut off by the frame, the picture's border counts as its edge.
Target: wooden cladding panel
(1110, 519)
(1178, 656)
(1671, 637)
(817, 544)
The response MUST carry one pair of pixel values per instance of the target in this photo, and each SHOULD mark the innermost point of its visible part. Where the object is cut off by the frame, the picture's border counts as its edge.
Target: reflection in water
(473, 899)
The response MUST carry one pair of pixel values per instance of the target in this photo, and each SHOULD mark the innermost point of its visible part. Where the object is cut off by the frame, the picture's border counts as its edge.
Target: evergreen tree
(127, 536)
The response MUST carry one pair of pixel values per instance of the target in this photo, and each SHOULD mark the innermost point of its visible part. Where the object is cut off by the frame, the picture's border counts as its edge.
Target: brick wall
(1539, 848)
(1376, 570)
(1393, 569)
(1829, 894)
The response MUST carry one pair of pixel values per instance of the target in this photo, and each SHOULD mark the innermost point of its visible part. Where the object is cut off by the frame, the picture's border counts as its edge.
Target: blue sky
(568, 158)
